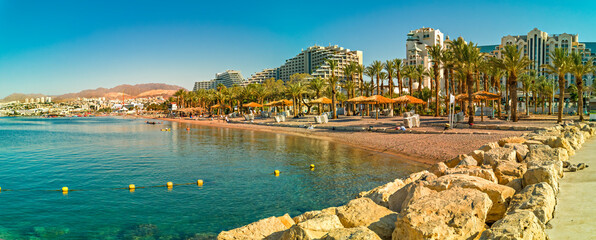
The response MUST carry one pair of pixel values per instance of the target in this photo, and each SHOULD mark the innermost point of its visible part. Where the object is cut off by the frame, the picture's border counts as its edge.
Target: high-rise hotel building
(537, 46)
(227, 78)
(416, 52)
(311, 61)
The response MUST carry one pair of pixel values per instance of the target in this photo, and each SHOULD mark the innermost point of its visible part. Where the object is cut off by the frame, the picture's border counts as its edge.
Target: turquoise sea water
(95, 155)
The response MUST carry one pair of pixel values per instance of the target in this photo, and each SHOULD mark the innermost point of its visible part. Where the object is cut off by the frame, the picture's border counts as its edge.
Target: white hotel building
(227, 78)
(416, 52)
(311, 61)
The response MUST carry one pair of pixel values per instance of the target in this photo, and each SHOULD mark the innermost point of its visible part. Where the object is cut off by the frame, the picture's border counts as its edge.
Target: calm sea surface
(97, 155)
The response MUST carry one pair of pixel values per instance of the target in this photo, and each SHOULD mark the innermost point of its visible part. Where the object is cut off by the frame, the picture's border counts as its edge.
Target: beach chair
(251, 117)
(318, 120)
(246, 117)
(325, 118)
(277, 119)
(409, 122)
(282, 118)
(416, 118)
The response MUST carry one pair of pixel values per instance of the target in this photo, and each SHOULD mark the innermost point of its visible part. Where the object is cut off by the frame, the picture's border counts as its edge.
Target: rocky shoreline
(504, 190)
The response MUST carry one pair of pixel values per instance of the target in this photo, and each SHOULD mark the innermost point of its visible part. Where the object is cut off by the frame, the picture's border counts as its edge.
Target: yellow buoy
(312, 166)
(200, 182)
(64, 189)
(131, 186)
(170, 184)
(276, 172)
(0, 189)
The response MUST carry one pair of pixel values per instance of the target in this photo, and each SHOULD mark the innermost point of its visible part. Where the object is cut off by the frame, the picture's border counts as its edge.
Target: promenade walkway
(575, 213)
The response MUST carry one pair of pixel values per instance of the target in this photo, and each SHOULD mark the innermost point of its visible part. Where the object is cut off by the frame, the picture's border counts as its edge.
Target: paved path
(575, 214)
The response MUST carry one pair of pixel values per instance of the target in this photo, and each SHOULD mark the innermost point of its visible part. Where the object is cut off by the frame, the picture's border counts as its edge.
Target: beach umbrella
(322, 100)
(359, 99)
(220, 106)
(284, 103)
(252, 104)
(407, 99)
(484, 95)
(270, 104)
(378, 99)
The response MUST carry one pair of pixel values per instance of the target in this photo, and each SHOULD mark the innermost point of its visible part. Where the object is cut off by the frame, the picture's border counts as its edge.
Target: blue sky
(56, 47)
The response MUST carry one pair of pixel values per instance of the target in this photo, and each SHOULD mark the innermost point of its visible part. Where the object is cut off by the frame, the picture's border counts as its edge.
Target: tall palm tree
(333, 64)
(382, 77)
(296, 90)
(436, 54)
(411, 73)
(467, 57)
(579, 69)
(349, 87)
(360, 71)
(496, 74)
(527, 80)
(378, 68)
(390, 69)
(559, 66)
(370, 72)
(514, 64)
(399, 71)
(317, 85)
(420, 73)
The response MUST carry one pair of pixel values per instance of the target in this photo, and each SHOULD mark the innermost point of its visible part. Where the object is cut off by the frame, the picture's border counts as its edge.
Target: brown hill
(126, 89)
(21, 97)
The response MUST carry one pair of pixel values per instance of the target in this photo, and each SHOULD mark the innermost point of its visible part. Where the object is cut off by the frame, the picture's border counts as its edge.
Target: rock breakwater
(503, 190)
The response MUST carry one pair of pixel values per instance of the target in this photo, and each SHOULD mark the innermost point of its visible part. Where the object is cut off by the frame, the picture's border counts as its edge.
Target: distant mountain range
(118, 92)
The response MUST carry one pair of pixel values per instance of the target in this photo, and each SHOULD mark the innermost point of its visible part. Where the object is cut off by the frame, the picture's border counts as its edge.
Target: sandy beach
(421, 148)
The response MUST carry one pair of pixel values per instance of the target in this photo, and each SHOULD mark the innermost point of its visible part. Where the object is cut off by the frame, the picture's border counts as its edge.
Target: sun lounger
(318, 120)
(277, 119)
(325, 118)
(282, 118)
(409, 122)
(416, 118)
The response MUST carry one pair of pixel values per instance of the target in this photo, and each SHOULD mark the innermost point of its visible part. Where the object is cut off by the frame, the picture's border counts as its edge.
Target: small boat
(150, 122)
(166, 129)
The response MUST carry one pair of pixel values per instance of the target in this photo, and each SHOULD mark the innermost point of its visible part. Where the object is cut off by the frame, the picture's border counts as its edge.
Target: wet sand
(421, 148)
(575, 211)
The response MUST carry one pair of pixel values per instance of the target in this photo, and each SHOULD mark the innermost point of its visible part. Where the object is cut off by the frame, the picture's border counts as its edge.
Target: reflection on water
(97, 154)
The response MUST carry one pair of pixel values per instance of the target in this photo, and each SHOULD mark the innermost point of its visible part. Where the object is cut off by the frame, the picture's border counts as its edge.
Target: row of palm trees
(465, 70)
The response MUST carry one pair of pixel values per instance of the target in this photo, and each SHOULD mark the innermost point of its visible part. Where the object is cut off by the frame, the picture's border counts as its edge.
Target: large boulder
(419, 176)
(575, 137)
(311, 214)
(477, 155)
(519, 225)
(380, 195)
(506, 171)
(452, 214)
(521, 150)
(498, 194)
(538, 198)
(491, 157)
(259, 230)
(357, 233)
(404, 196)
(438, 169)
(504, 141)
(487, 147)
(364, 212)
(470, 161)
(544, 152)
(542, 173)
(314, 228)
(558, 142)
(454, 161)
(476, 171)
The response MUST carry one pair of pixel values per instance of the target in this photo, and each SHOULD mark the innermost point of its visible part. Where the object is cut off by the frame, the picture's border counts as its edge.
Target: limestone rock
(538, 198)
(311, 214)
(503, 141)
(404, 196)
(516, 184)
(452, 214)
(499, 194)
(314, 228)
(487, 147)
(558, 142)
(438, 169)
(476, 171)
(454, 161)
(491, 157)
(358, 233)
(478, 155)
(364, 212)
(380, 194)
(469, 161)
(547, 153)
(508, 170)
(419, 176)
(258, 230)
(544, 173)
(521, 150)
(520, 225)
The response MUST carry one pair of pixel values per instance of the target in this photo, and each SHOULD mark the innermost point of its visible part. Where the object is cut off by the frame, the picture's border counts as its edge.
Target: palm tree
(411, 73)
(467, 57)
(333, 85)
(296, 90)
(496, 74)
(559, 66)
(514, 64)
(579, 69)
(527, 80)
(180, 97)
(420, 73)
(349, 87)
(436, 54)
(378, 68)
(360, 71)
(390, 69)
(317, 85)
(370, 72)
(399, 70)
